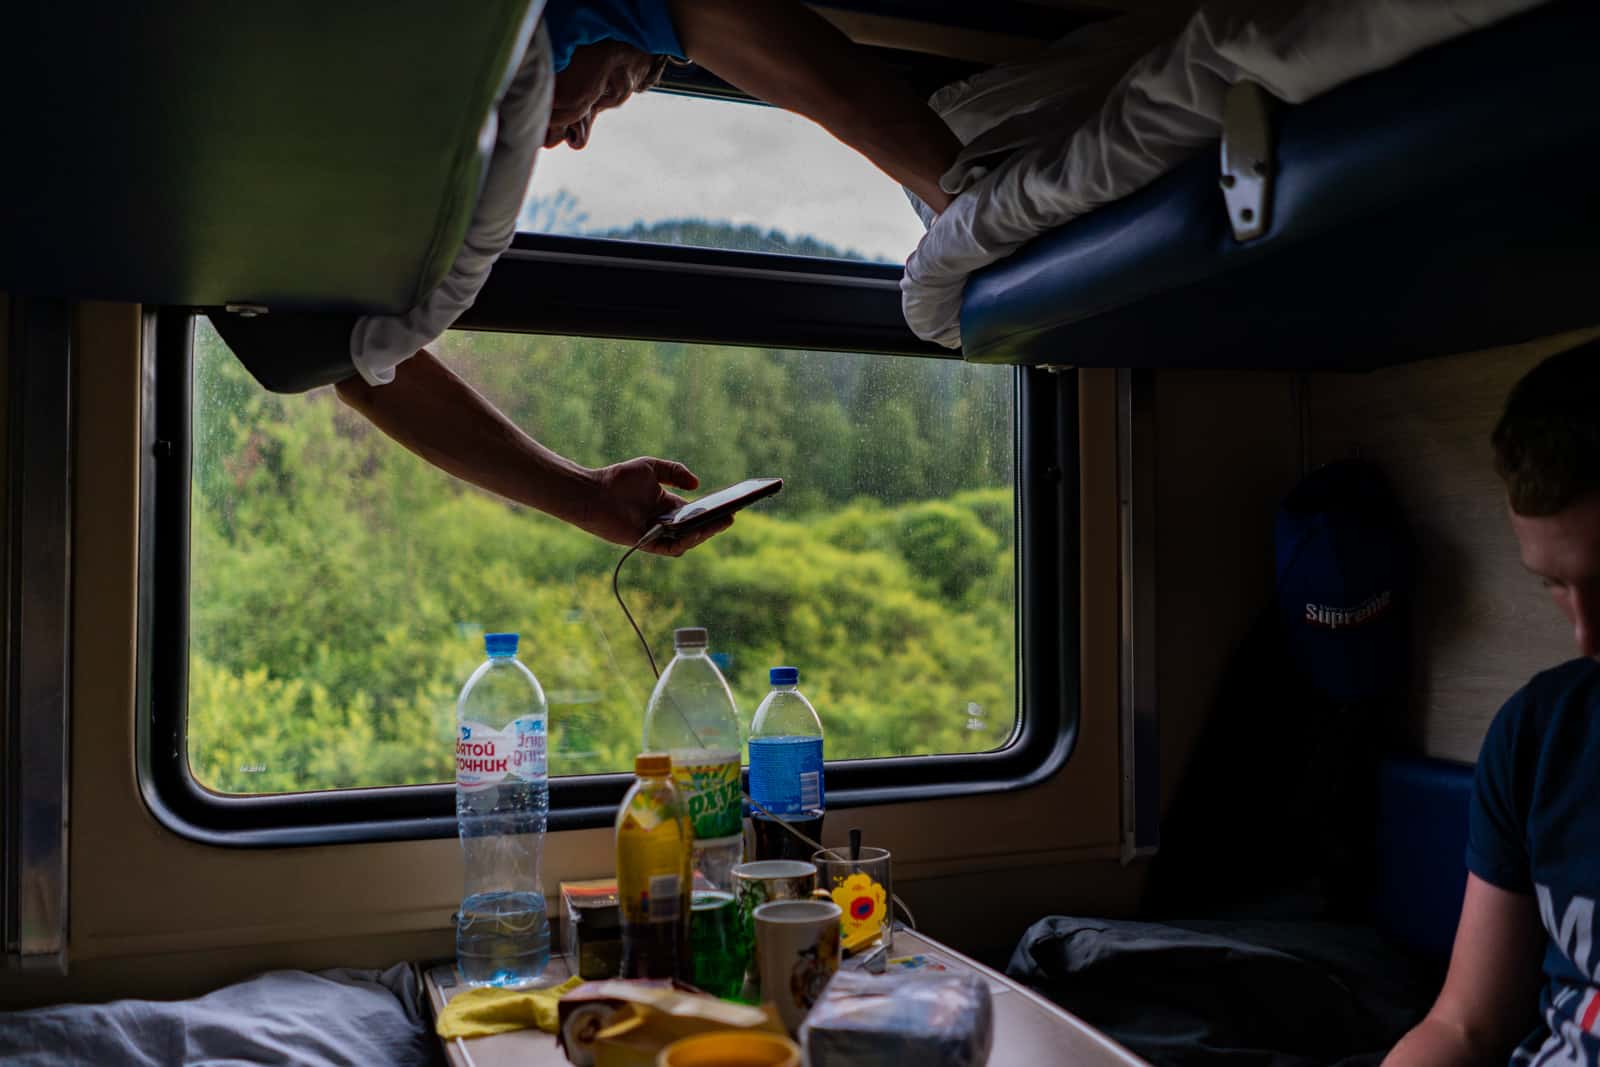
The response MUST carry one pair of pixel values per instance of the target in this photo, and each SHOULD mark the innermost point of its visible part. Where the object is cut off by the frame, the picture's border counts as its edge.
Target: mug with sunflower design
(864, 890)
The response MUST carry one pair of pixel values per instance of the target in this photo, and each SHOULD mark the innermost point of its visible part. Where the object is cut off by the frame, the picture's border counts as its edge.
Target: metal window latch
(1247, 160)
(245, 311)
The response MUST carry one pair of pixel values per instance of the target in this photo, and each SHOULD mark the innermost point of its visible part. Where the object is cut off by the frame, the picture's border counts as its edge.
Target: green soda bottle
(653, 878)
(691, 716)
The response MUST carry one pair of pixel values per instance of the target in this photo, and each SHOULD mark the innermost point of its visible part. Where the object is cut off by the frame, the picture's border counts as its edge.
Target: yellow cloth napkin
(486, 1010)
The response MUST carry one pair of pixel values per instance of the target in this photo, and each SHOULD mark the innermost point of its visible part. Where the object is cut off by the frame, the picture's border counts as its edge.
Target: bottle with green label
(691, 716)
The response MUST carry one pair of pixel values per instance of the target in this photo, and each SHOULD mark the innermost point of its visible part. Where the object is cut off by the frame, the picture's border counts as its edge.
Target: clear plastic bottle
(691, 716)
(786, 769)
(653, 846)
(502, 808)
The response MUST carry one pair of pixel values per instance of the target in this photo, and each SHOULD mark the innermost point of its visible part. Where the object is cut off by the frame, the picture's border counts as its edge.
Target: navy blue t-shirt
(644, 24)
(1535, 828)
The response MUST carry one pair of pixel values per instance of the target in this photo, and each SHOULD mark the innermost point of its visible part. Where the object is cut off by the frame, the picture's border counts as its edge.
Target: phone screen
(726, 500)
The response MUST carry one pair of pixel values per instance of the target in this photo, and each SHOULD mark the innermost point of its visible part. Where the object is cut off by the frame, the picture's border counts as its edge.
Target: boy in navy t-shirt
(1524, 977)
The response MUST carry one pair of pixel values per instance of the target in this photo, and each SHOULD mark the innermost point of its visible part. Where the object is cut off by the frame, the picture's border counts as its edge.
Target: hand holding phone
(715, 506)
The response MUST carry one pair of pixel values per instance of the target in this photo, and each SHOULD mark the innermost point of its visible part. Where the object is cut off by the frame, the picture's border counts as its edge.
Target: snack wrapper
(929, 1019)
(621, 1023)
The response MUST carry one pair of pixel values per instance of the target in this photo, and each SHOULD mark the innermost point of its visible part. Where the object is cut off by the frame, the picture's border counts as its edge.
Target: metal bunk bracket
(36, 722)
(1247, 159)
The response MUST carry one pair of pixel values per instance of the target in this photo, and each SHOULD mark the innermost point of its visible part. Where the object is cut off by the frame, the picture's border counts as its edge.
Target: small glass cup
(716, 958)
(864, 890)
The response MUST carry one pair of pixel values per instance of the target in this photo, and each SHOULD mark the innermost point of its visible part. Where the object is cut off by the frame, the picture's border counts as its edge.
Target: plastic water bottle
(691, 716)
(502, 808)
(653, 875)
(786, 769)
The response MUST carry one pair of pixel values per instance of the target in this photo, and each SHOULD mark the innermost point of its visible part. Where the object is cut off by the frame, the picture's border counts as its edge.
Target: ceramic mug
(765, 880)
(755, 884)
(797, 952)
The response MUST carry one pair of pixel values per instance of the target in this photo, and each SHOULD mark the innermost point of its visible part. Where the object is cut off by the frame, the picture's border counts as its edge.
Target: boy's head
(1547, 450)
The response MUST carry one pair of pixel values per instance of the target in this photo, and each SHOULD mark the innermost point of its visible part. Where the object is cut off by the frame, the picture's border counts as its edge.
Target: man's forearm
(782, 52)
(441, 418)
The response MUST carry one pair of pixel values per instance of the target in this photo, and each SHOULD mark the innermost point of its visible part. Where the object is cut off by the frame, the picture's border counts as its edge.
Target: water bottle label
(710, 788)
(485, 756)
(786, 774)
(529, 751)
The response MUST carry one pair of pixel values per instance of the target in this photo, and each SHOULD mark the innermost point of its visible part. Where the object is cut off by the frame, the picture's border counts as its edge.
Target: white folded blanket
(1108, 109)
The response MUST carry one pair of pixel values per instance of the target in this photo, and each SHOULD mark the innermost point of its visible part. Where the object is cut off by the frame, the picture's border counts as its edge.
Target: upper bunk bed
(298, 167)
(1441, 205)
(307, 161)
(295, 154)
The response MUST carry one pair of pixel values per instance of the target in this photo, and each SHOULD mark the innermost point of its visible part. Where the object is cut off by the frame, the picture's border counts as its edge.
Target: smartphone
(714, 506)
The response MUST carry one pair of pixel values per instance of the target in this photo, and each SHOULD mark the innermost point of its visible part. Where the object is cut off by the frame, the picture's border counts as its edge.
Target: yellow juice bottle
(653, 875)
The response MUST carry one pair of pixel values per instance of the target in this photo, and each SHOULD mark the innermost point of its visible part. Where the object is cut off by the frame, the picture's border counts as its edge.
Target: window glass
(661, 165)
(340, 587)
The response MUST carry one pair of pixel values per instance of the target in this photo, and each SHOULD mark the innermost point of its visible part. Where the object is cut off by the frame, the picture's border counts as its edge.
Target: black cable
(616, 591)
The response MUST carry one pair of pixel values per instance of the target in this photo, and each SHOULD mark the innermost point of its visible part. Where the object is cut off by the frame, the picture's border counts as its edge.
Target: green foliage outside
(340, 586)
(707, 234)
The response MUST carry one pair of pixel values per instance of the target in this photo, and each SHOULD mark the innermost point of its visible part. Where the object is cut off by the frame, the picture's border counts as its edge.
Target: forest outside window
(339, 587)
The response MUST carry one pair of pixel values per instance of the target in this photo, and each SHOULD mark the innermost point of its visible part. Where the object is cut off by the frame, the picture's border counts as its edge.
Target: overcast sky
(668, 157)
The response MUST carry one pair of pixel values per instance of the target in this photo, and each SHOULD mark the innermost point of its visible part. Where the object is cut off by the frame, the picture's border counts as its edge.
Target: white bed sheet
(1112, 107)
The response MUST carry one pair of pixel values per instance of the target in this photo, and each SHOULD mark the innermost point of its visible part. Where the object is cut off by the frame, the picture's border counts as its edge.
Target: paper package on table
(929, 1019)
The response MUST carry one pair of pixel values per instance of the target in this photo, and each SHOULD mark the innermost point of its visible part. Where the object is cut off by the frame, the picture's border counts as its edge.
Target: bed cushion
(1401, 227)
(1421, 853)
(1222, 991)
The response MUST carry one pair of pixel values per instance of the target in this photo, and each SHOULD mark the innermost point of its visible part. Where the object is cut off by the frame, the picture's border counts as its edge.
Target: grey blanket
(1193, 994)
(371, 1018)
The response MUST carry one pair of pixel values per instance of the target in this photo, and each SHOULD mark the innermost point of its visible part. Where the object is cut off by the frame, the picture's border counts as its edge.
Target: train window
(338, 587)
(761, 180)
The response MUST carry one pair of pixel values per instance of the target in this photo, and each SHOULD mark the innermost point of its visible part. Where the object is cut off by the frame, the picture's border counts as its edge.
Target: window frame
(747, 298)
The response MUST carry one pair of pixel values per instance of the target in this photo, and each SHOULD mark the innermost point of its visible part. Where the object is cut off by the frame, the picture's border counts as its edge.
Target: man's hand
(629, 498)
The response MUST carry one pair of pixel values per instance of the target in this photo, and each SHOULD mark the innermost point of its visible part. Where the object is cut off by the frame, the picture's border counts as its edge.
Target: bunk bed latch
(1247, 160)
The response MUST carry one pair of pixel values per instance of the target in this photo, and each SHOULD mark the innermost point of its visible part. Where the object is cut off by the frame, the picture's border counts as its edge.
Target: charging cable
(616, 591)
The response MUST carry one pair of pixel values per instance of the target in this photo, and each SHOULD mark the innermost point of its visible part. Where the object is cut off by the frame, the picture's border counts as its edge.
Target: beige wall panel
(1484, 626)
(1227, 450)
(985, 912)
(152, 910)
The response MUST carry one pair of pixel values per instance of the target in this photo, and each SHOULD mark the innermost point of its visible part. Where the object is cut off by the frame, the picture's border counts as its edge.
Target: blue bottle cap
(784, 676)
(500, 644)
